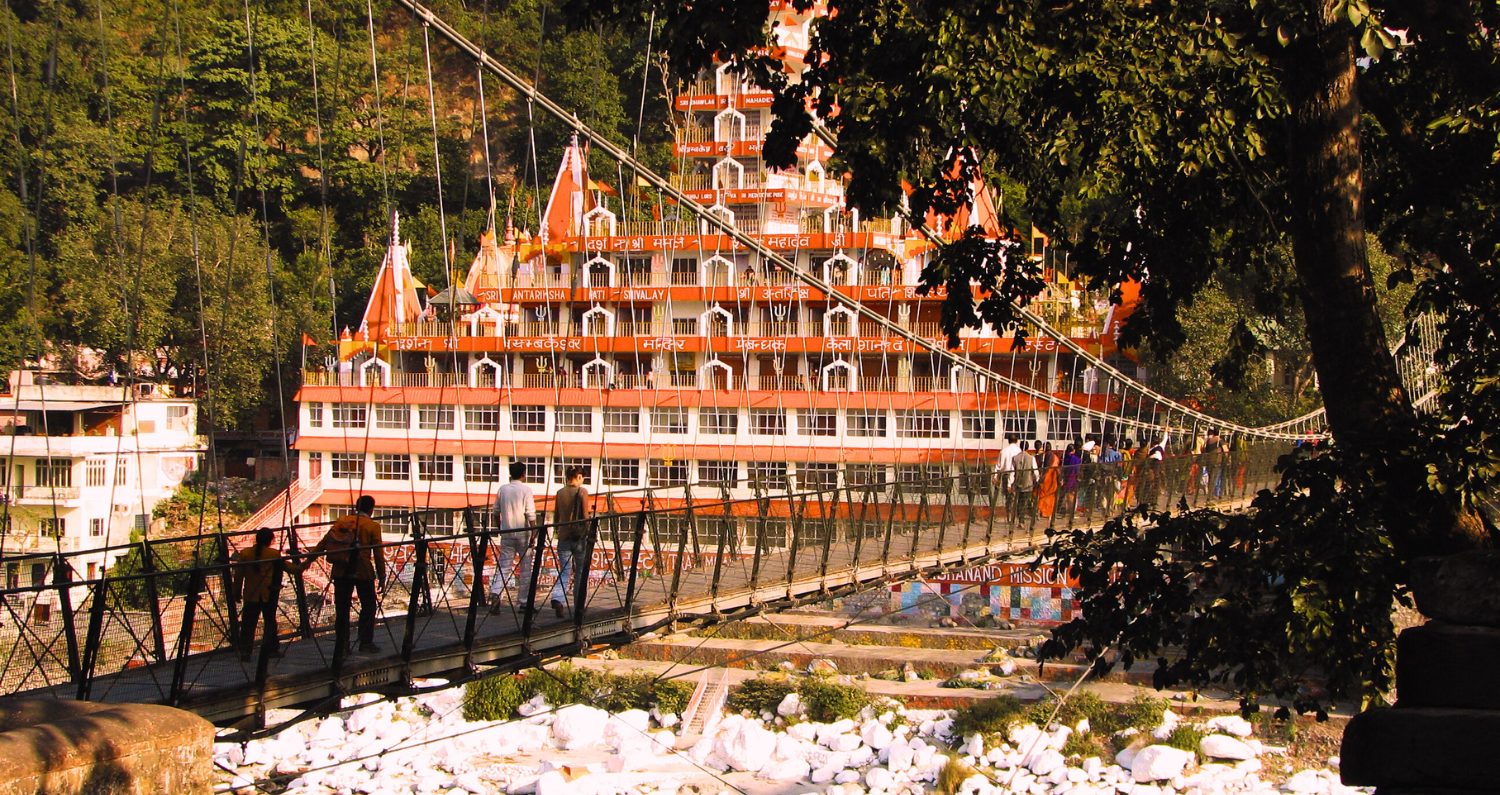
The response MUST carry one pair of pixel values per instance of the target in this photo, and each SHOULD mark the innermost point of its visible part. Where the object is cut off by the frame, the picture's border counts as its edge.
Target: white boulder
(1046, 762)
(1230, 724)
(1158, 763)
(844, 743)
(876, 735)
(1307, 782)
(879, 779)
(804, 731)
(788, 770)
(747, 747)
(579, 726)
(1219, 746)
(900, 758)
(789, 706)
(846, 777)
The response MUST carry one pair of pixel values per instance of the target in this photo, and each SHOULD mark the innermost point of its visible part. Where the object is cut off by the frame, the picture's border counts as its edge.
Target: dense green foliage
(496, 698)
(191, 185)
(1237, 157)
(759, 695)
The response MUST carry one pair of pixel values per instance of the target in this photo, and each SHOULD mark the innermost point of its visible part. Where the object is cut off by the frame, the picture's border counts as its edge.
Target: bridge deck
(648, 569)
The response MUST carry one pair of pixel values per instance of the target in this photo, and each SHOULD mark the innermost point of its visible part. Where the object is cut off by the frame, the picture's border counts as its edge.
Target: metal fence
(159, 626)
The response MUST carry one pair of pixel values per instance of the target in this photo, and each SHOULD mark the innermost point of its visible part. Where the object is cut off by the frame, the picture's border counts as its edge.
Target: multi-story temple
(663, 354)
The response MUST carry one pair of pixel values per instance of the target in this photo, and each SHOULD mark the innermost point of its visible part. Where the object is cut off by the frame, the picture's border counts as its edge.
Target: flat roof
(53, 405)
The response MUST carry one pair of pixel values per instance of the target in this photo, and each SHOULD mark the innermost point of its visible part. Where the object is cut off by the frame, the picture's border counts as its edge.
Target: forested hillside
(191, 181)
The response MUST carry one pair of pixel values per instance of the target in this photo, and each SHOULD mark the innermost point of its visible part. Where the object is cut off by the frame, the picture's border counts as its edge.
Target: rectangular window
(434, 417)
(52, 527)
(177, 418)
(142, 521)
(922, 424)
(622, 472)
(392, 466)
(349, 415)
(121, 471)
(768, 422)
(818, 422)
(1064, 427)
(440, 523)
(663, 474)
(482, 418)
(767, 474)
(622, 420)
(536, 468)
(347, 466)
(93, 472)
(435, 468)
(528, 418)
(979, 425)
(391, 520)
(1020, 423)
(54, 472)
(575, 419)
(482, 468)
(724, 422)
(817, 476)
(669, 420)
(562, 464)
(713, 473)
(396, 416)
(719, 532)
(96, 528)
(315, 414)
(864, 422)
(931, 478)
(865, 474)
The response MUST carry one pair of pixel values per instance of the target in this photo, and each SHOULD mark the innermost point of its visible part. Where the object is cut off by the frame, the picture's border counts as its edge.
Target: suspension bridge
(166, 631)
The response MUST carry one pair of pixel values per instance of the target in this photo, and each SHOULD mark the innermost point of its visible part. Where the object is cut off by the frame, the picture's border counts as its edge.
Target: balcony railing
(782, 383)
(883, 383)
(776, 328)
(687, 379)
(430, 379)
(541, 280)
(429, 329)
(685, 326)
(49, 494)
(691, 181)
(540, 328)
(669, 228)
(927, 329)
(881, 277)
(551, 380)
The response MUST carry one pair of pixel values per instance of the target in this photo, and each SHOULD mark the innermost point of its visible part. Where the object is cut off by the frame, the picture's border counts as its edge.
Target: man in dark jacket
(574, 543)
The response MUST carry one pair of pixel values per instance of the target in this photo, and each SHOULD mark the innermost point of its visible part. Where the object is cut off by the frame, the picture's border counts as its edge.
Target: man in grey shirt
(515, 513)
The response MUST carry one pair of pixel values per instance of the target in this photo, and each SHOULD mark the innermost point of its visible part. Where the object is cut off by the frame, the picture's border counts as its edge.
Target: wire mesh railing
(162, 624)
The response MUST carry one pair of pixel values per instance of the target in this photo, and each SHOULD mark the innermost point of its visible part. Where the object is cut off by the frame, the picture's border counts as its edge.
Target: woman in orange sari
(1046, 493)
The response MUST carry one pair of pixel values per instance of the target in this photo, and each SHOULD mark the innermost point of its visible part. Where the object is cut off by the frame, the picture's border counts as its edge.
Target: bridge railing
(164, 605)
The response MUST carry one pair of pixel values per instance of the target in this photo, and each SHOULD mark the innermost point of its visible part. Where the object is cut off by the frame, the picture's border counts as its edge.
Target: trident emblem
(779, 311)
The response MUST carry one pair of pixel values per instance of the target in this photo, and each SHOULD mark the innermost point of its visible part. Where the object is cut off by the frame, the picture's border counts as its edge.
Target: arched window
(839, 376)
(840, 321)
(729, 174)
(485, 374)
(599, 272)
(382, 370)
(716, 322)
(715, 374)
(598, 374)
(597, 322)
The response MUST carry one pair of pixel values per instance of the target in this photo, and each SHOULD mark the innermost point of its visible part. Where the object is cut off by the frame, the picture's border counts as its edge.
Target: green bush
(1186, 738)
(498, 697)
(827, 702)
(493, 698)
(990, 716)
(759, 695)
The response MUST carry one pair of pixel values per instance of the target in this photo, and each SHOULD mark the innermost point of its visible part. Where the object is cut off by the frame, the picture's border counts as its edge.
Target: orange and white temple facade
(663, 354)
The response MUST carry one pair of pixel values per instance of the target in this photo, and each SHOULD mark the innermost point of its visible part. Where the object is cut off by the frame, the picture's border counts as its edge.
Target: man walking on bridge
(515, 513)
(352, 545)
(574, 542)
(256, 579)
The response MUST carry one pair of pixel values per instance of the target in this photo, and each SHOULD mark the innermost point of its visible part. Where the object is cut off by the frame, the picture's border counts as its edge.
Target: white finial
(395, 227)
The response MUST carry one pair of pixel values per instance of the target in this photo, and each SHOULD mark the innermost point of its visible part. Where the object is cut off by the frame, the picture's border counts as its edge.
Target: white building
(83, 467)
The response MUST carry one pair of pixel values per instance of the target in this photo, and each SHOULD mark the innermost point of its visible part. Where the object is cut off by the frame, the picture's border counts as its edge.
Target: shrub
(1186, 738)
(952, 776)
(827, 702)
(1142, 712)
(759, 695)
(493, 698)
(989, 716)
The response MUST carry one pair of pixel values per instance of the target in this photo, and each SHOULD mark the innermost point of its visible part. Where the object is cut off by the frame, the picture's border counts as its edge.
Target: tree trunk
(1369, 412)
(1367, 407)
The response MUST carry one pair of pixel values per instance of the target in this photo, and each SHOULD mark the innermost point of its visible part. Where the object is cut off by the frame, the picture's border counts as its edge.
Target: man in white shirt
(515, 518)
(1007, 462)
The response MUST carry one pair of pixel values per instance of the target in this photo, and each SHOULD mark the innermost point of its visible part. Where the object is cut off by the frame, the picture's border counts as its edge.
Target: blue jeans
(570, 559)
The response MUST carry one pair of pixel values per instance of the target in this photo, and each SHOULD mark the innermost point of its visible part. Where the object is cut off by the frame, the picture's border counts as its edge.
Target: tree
(1173, 142)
